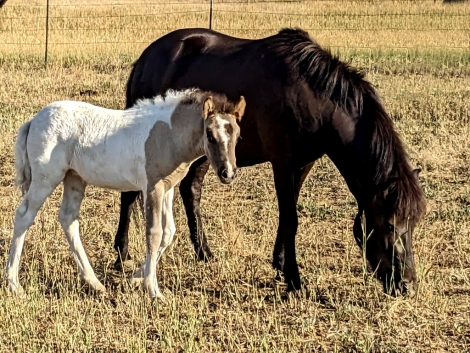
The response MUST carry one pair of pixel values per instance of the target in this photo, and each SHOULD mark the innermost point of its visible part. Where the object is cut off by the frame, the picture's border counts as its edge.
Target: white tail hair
(23, 168)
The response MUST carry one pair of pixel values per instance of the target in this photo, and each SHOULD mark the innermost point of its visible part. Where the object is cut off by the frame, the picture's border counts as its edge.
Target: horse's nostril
(224, 173)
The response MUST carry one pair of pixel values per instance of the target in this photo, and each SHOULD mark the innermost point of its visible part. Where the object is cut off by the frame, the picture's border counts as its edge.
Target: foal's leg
(121, 239)
(74, 190)
(169, 227)
(190, 189)
(284, 178)
(169, 230)
(154, 233)
(278, 254)
(38, 192)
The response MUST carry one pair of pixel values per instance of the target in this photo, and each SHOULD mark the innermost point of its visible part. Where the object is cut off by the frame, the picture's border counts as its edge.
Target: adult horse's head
(383, 229)
(221, 133)
(391, 200)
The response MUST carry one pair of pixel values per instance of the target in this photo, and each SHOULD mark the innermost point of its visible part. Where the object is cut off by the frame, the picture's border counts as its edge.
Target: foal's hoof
(153, 290)
(17, 290)
(137, 281)
(98, 287)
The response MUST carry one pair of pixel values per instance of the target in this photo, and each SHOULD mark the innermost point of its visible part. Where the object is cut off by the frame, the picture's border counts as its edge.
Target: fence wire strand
(60, 22)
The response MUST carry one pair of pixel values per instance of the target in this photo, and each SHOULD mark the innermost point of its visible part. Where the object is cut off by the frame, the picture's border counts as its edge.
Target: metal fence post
(47, 33)
(210, 15)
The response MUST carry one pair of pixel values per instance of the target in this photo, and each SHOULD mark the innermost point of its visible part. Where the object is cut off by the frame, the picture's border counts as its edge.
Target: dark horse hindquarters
(301, 103)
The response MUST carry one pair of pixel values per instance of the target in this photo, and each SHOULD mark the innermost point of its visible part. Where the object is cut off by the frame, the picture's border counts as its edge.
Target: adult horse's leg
(279, 254)
(121, 240)
(284, 179)
(190, 190)
(299, 178)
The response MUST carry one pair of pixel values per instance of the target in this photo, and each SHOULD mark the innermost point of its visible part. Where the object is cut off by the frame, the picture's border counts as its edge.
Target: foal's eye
(390, 227)
(210, 137)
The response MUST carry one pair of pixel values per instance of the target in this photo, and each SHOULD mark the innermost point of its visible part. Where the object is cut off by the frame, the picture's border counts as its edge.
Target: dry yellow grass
(231, 304)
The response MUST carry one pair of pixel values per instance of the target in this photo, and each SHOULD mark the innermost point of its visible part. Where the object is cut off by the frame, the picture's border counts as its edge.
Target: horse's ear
(240, 108)
(416, 173)
(389, 185)
(208, 107)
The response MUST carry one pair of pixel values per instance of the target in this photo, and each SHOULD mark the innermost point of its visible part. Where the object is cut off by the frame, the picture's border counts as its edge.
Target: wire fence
(62, 27)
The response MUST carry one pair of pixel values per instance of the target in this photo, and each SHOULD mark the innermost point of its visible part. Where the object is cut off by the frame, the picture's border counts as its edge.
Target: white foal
(148, 148)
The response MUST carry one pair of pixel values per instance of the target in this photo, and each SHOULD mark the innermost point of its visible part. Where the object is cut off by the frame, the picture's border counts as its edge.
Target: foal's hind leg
(74, 190)
(38, 192)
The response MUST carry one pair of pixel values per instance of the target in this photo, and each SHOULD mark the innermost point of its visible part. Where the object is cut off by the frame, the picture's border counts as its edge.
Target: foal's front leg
(154, 233)
(169, 230)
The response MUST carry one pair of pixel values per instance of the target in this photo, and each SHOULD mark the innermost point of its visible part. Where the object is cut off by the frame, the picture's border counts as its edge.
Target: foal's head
(384, 230)
(221, 133)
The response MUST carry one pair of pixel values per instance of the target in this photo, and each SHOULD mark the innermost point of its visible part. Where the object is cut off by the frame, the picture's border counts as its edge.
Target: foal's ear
(208, 107)
(240, 108)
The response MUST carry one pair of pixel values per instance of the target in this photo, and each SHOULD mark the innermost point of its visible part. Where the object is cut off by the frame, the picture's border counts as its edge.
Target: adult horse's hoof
(302, 293)
(204, 254)
(121, 265)
(294, 286)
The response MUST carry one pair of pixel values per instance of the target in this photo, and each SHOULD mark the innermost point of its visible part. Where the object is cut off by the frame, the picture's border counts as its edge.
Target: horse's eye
(389, 227)
(210, 137)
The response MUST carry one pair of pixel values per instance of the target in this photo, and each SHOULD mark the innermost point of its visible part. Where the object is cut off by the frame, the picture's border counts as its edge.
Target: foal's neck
(188, 131)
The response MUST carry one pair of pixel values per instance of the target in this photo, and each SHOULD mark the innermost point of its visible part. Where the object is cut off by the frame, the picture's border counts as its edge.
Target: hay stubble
(232, 304)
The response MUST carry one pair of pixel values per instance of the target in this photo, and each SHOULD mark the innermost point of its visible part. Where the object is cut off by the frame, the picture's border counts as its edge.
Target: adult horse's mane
(346, 87)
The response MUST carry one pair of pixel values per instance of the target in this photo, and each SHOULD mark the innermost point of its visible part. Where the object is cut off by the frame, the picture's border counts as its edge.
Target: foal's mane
(191, 96)
(330, 78)
(221, 103)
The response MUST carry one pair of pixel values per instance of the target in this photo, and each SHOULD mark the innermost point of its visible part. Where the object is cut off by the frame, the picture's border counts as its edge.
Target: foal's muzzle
(227, 174)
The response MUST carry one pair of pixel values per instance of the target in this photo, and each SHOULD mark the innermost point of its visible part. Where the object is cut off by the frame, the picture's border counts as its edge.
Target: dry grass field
(417, 53)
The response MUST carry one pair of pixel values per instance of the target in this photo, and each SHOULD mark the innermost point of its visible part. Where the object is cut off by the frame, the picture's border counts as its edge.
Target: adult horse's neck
(364, 146)
(367, 150)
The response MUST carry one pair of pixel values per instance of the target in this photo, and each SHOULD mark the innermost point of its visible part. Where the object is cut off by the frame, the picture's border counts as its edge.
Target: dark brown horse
(302, 103)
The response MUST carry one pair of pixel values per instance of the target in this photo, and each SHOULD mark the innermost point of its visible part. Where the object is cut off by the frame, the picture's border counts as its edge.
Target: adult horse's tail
(23, 168)
(129, 101)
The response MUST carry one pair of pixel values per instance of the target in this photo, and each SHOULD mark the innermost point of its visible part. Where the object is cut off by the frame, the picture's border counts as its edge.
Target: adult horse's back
(302, 103)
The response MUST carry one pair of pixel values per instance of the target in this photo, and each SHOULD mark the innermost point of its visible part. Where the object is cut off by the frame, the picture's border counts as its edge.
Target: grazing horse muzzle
(227, 174)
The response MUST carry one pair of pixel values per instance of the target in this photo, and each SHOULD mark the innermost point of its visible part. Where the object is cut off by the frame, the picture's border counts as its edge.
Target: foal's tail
(23, 168)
